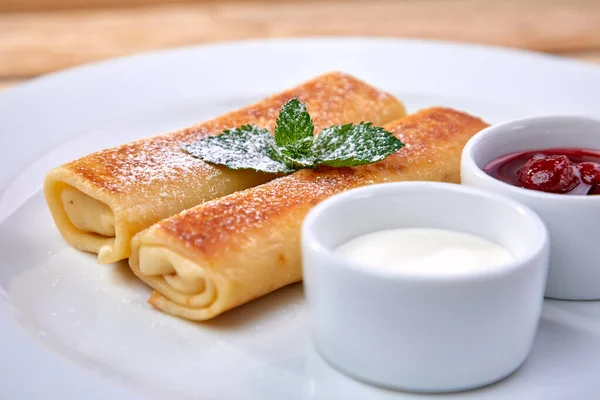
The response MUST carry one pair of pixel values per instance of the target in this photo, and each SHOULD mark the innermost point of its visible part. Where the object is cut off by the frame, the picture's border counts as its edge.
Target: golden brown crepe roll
(228, 251)
(100, 201)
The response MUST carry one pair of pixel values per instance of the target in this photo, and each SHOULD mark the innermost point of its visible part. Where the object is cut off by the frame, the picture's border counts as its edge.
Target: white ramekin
(572, 220)
(415, 332)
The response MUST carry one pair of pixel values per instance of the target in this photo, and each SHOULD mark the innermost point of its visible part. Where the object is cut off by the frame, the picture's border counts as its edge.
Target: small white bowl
(424, 333)
(573, 221)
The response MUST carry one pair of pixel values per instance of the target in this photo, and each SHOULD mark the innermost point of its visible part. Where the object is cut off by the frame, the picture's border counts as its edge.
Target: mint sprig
(294, 145)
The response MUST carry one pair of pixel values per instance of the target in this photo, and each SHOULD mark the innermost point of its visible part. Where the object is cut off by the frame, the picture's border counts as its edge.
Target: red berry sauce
(567, 171)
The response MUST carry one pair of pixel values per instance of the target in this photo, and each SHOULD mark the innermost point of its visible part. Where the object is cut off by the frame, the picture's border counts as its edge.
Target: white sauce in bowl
(425, 251)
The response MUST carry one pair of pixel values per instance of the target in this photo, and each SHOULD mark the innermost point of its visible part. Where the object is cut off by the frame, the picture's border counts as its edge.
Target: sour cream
(424, 251)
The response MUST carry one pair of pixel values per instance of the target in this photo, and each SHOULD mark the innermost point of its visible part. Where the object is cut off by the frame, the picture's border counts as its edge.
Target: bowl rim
(539, 249)
(467, 158)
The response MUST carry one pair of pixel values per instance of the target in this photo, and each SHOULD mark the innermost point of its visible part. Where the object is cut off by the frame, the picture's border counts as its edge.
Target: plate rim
(297, 39)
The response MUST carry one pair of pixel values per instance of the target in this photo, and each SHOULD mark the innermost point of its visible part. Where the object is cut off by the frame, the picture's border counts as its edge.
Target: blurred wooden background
(41, 36)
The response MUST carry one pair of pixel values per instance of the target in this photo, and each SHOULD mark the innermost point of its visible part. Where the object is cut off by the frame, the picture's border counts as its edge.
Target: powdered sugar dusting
(435, 139)
(358, 144)
(158, 166)
(146, 162)
(245, 148)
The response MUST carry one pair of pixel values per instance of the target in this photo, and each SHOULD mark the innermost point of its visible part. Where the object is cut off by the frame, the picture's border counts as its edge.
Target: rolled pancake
(100, 201)
(226, 252)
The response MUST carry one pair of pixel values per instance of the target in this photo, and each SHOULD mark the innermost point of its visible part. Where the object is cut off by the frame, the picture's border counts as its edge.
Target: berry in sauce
(590, 172)
(566, 171)
(553, 174)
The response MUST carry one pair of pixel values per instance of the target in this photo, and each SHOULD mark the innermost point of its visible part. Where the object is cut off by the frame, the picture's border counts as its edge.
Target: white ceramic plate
(70, 328)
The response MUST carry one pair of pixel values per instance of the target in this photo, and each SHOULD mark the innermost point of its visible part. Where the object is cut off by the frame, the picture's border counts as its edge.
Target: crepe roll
(226, 252)
(100, 201)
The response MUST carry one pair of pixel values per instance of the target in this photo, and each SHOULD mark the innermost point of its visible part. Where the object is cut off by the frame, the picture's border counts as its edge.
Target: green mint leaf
(294, 126)
(298, 161)
(294, 134)
(294, 145)
(349, 145)
(246, 147)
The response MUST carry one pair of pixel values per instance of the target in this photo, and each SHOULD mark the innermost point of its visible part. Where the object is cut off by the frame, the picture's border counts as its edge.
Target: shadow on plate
(279, 302)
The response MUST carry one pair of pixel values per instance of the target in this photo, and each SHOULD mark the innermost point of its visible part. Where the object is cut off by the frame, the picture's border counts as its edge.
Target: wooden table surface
(41, 36)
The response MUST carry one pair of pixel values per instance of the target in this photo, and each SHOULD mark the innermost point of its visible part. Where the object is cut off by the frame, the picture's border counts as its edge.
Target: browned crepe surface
(247, 244)
(100, 201)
